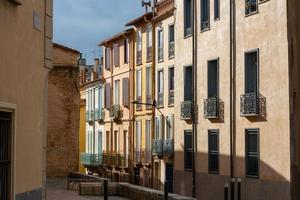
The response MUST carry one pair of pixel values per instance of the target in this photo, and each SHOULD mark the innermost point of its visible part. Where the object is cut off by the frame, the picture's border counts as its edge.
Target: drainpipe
(232, 93)
(132, 106)
(194, 94)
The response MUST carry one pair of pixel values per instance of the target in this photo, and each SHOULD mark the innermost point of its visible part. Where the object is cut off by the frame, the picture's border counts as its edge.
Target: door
(99, 142)
(169, 177)
(136, 176)
(5, 154)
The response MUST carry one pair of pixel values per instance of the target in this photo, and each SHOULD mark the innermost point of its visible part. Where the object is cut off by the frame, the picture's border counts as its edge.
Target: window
(148, 86)
(188, 83)
(188, 150)
(187, 18)
(107, 142)
(212, 79)
(107, 58)
(5, 154)
(90, 141)
(171, 86)
(148, 134)
(139, 87)
(217, 9)
(126, 92)
(149, 42)
(125, 143)
(116, 142)
(251, 6)
(138, 135)
(139, 47)
(100, 98)
(160, 88)
(107, 95)
(99, 142)
(160, 40)
(117, 92)
(126, 51)
(251, 72)
(213, 151)
(116, 55)
(159, 127)
(205, 23)
(171, 41)
(252, 152)
(169, 127)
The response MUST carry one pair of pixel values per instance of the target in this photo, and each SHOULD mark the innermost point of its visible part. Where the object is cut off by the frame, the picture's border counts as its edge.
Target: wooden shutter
(107, 95)
(116, 55)
(126, 92)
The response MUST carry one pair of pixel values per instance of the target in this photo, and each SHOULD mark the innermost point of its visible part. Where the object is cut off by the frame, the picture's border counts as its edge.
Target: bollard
(239, 188)
(105, 190)
(166, 191)
(232, 190)
(226, 191)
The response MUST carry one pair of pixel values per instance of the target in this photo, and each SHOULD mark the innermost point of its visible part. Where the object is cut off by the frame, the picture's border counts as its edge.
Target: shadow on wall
(271, 185)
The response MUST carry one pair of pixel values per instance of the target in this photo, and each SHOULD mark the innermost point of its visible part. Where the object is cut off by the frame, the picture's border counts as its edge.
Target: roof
(116, 37)
(140, 19)
(66, 48)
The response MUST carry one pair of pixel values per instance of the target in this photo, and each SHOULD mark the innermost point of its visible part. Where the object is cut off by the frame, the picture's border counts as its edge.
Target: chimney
(96, 70)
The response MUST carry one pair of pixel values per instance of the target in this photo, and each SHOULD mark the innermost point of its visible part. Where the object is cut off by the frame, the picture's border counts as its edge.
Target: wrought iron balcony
(149, 54)
(253, 104)
(139, 58)
(99, 114)
(160, 101)
(251, 6)
(171, 97)
(89, 159)
(168, 148)
(89, 116)
(171, 49)
(115, 112)
(160, 55)
(157, 147)
(186, 110)
(212, 108)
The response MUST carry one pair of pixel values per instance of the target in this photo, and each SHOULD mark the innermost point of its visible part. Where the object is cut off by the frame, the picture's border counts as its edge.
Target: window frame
(185, 28)
(218, 76)
(217, 17)
(161, 70)
(210, 152)
(170, 67)
(184, 80)
(126, 51)
(258, 152)
(117, 92)
(160, 30)
(257, 69)
(203, 29)
(169, 41)
(188, 150)
(254, 12)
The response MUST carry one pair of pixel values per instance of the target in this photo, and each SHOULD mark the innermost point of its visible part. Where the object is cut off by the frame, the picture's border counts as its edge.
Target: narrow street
(57, 190)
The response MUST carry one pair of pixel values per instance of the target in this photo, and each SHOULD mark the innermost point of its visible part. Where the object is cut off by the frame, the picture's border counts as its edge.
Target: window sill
(160, 106)
(148, 61)
(213, 172)
(252, 177)
(250, 14)
(187, 36)
(217, 19)
(171, 57)
(263, 1)
(205, 30)
(188, 170)
(160, 61)
(171, 105)
(139, 64)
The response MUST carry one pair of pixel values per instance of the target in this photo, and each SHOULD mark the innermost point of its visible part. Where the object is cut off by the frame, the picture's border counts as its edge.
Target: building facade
(25, 60)
(63, 112)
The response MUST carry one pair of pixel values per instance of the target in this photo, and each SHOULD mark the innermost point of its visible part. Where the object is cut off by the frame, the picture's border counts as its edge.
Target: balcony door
(169, 177)
(188, 83)
(251, 72)
(99, 142)
(212, 79)
(117, 92)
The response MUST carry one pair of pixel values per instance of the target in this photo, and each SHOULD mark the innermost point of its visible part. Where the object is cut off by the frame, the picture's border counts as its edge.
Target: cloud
(81, 24)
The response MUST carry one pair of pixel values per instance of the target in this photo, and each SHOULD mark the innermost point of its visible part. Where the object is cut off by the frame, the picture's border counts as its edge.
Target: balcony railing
(187, 31)
(212, 108)
(186, 110)
(139, 58)
(205, 25)
(171, 97)
(115, 112)
(168, 148)
(149, 54)
(99, 114)
(160, 55)
(253, 104)
(148, 156)
(251, 6)
(149, 101)
(139, 101)
(89, 159)
(171, 49)
(89, 116)
(160, 101)
(157, 147)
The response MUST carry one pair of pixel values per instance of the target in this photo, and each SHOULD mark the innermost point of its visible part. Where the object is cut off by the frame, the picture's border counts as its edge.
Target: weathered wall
(82, 140)
(23, 88)
(63, 114)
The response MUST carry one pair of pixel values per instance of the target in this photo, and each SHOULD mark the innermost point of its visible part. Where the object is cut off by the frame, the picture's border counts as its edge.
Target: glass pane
(252, 166)
(251, 72)
(213, 142)
(252, 143)
(171, 78)
(171, 33)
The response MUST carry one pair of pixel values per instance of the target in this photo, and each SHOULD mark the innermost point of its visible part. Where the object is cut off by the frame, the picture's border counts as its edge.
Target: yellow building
(143, 90)
(82, 139)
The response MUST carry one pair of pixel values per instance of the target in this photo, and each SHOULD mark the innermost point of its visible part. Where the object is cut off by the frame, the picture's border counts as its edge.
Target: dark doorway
(169, 177)
(5, 154)
(136, 176)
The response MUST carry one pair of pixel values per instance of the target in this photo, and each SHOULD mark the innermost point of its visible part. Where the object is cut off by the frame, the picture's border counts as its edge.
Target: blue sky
(82, 24)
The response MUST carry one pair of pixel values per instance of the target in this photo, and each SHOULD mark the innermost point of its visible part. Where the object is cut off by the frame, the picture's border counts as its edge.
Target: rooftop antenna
(146, 5)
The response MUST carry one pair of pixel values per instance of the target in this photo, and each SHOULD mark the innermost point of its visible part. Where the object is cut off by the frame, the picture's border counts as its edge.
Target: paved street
(56, 190)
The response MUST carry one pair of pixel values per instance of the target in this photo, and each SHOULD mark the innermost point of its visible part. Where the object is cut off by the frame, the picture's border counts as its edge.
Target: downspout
(194, 94)
(132, 106)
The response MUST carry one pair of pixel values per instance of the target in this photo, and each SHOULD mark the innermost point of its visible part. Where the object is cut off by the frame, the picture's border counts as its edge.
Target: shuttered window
(188, 150)
(138, 136)
(148, 81)
(187, 18)
(126, 51)
(126, 92)
(205, 22)
(213, 151)
(160, 45)
(107, 95)
(139, 83)
(217, 9)
(171, 41)
(252, 152)
(212, 79)
(160, 88)
(148, 134)
(159, 127)
(107, 58)
(251, 71)
(117, 92)
(188, 86)
(116, 55)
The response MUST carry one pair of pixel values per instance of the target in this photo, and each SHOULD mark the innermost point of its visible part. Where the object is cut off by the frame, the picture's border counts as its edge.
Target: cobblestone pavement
(56, 189)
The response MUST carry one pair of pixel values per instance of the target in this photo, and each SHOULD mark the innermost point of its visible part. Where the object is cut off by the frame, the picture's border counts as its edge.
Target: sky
(82, 24)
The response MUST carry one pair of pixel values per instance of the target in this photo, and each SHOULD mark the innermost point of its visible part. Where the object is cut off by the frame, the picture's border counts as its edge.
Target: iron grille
(251, 6)
(157, 148)
(115, 112)
(211, 108)
(186, 110)
(253, 104)
(188, 31)
(205, 25)
(5, 159)
(168, 148)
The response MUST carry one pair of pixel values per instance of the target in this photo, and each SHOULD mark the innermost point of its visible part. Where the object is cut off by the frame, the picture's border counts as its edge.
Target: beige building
(242, 110)
(63, 112)
(25, 60)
